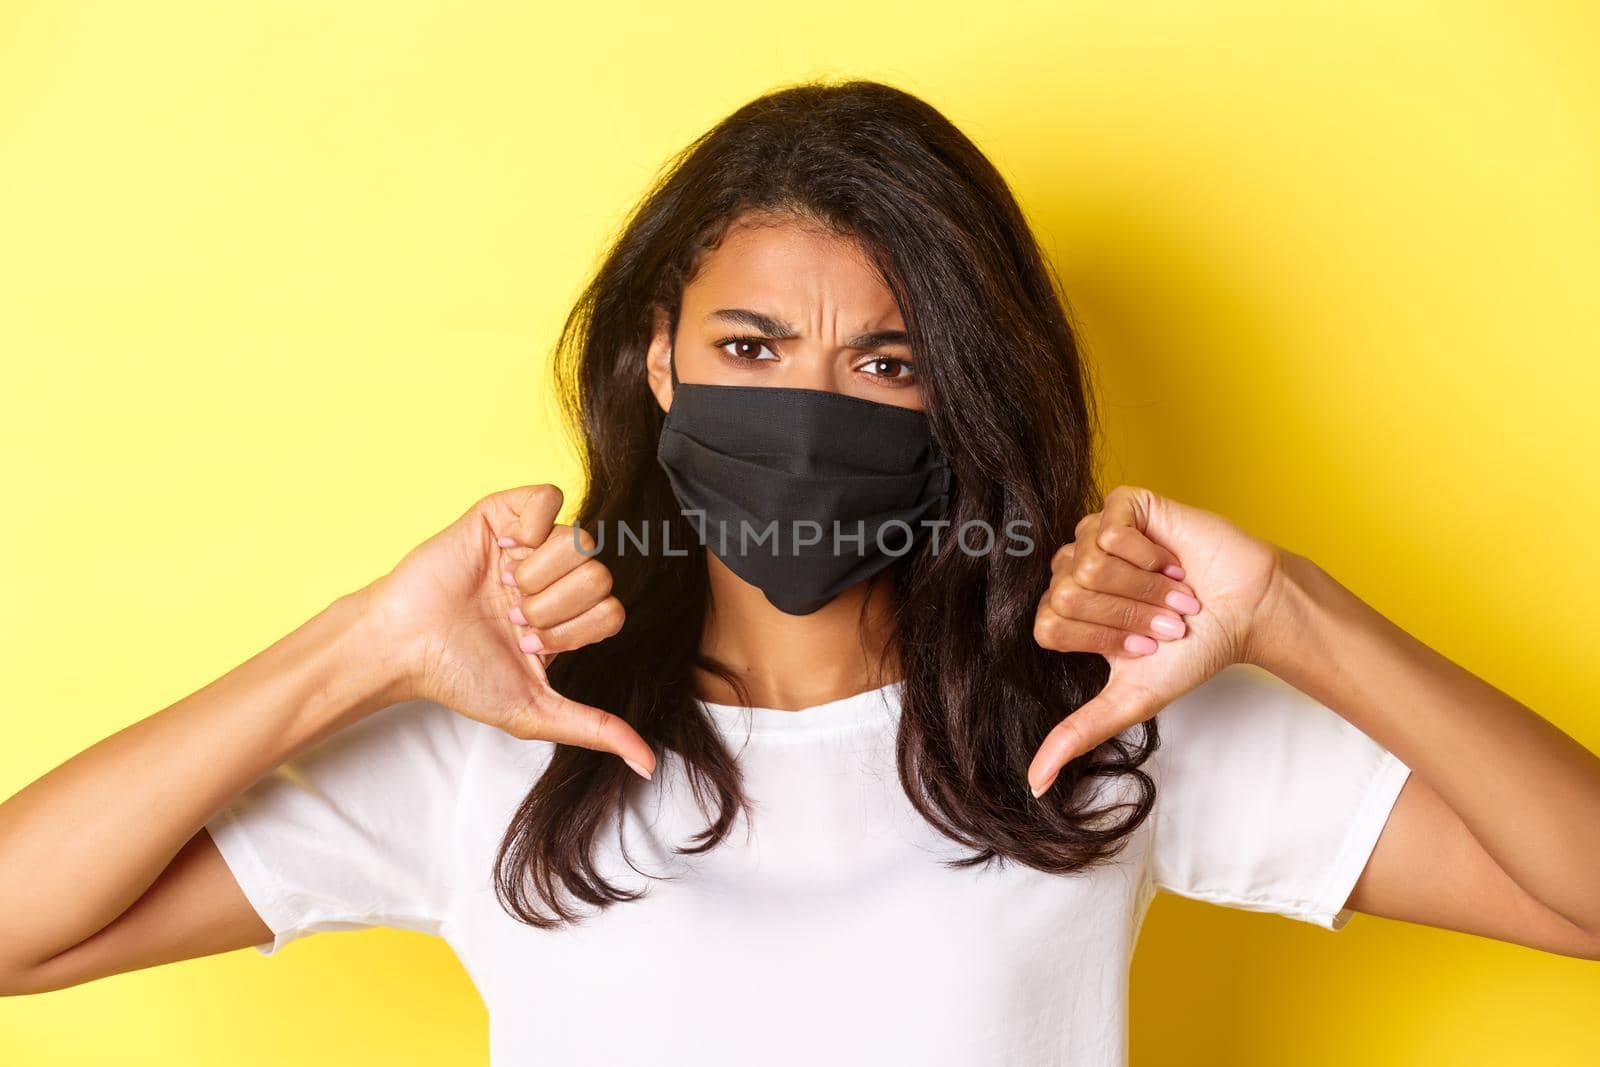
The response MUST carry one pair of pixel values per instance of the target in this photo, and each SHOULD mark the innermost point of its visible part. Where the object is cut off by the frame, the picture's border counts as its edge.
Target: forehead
(790, 267)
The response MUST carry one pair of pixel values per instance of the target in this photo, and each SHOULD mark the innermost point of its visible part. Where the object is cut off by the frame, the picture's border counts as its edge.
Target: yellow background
(278, 284)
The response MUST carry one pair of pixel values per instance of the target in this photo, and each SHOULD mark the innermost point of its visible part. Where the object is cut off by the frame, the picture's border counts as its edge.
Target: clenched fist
(477, 611)
(1169, 593)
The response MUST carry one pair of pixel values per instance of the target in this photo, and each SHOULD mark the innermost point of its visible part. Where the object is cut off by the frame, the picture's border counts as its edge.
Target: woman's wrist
(1284, 618)
(368, 668)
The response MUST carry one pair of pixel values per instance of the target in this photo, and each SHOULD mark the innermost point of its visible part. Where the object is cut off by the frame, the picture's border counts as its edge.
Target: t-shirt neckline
(857, 711)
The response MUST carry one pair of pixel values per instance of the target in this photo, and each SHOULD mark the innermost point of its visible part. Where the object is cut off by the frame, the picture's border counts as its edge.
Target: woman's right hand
(453, 612)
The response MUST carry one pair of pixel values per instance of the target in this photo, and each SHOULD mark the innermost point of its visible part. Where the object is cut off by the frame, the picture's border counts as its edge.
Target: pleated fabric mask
(801, 492)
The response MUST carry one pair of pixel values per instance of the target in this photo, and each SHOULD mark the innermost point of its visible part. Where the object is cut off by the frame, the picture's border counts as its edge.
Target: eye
(889, 368)
(746, 348)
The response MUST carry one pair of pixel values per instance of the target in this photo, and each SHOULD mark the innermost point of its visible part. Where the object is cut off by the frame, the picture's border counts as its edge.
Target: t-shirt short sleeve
(1266, 799)
(354, 831)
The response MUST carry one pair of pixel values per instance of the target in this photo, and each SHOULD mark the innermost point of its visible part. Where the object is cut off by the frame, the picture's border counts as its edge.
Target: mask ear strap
(672, 365)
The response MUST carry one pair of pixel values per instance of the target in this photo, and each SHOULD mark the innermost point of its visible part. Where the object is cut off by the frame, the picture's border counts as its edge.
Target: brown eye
(888, 367)
(748, 348)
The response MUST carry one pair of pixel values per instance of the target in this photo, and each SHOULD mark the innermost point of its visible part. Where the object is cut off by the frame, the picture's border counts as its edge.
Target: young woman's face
(784, 304)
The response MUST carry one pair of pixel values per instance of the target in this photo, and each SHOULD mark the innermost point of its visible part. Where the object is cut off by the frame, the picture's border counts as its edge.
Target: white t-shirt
(825, 929)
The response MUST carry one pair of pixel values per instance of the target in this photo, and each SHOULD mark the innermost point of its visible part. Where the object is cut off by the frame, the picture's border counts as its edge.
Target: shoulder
(416, 721)
(1240, 705)
(1247, 733)
(411, 732)
(425, 725)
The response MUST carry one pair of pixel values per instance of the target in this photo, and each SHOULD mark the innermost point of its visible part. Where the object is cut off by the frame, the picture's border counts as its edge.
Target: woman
(882, 784)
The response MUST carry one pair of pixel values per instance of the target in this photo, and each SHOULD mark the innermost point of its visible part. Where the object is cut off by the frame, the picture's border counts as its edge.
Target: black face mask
(801, 492)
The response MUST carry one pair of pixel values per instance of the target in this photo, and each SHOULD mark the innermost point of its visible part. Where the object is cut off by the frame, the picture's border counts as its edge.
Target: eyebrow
(778, 330)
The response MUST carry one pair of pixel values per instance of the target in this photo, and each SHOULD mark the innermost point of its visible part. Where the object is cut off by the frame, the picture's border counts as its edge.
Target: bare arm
(106, 866)
(1497, 830)
(1496, 834)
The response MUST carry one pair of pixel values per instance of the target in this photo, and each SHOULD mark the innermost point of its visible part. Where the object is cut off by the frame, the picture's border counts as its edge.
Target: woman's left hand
(1109, 587)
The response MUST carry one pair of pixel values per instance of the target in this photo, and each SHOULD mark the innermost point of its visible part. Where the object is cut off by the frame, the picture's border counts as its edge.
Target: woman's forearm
(81, 844)
(1529, 793)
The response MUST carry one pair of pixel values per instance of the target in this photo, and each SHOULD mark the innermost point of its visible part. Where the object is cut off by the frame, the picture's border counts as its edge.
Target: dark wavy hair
(1009, 405)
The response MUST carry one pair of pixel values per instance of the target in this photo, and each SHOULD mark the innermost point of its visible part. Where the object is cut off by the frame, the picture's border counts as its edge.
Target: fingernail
(530, 643)
(507, 542)
(1182, 602)
(640, 771)
(1139, 644)
(517, 616)
(1170, 625)
(507, 578)
(1039, 790)
(1173, 571)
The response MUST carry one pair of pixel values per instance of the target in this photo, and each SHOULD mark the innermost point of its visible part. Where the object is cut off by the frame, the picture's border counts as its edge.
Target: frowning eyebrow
(778, 330)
